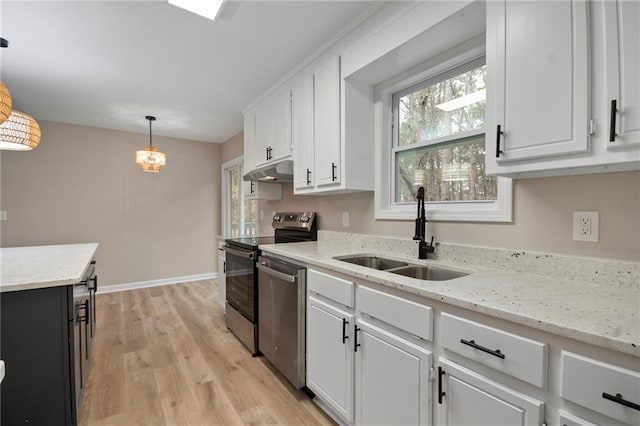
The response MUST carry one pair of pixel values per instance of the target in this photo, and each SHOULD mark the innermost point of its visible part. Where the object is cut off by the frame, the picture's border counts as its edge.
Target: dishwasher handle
(240, 253)
(280, 275)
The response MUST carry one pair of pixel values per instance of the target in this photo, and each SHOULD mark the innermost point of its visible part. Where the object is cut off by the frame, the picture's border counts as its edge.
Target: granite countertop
(25, 268)
(598, 312)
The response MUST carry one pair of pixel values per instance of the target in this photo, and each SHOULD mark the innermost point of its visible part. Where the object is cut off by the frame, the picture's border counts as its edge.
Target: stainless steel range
(242, 273)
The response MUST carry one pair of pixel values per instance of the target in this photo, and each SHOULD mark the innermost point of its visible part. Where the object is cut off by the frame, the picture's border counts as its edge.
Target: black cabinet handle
(441, 373)
(355, 337)
(612, 129)
(93, 262)
(85, 316)
(474, 345)
(344, 330)
(620, 400)
(498, 134)
(308, 177)
(333, 172)
(95, 283)
(251, 192)
(224, 267)
(267, 149)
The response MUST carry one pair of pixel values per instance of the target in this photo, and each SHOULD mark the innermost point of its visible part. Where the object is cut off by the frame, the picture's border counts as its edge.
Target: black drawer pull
(498, 134)
(612, 129)
(355, 335)
(474, 345)
(333, 172)
(620, 400)
(308, 177)
(441, 373)
(344, 330)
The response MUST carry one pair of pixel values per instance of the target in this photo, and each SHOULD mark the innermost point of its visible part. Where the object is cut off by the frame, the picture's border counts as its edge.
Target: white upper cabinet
(332, 131)
(622, 62)
(327, 122)
(302, 133)
(273, 128)
(537, 68)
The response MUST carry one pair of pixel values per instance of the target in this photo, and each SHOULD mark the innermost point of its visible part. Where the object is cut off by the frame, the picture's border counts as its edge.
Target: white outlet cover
(3, 215)
(579, 233)
(345, 219)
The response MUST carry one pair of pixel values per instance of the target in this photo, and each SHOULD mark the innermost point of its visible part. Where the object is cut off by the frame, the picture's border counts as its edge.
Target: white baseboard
(155, 283)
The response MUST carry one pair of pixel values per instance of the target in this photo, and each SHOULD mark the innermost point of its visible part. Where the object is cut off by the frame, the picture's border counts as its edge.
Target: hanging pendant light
(6, 103)
(20, 132)
(150, 159)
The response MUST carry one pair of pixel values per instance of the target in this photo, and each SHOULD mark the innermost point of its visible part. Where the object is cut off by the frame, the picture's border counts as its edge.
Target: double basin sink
(420, 272)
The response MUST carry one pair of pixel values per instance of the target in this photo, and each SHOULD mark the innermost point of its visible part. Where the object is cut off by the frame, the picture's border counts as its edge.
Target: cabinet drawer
(567, 419)
(587, 382)
(404, 314)
(517, 356)
(342, 291)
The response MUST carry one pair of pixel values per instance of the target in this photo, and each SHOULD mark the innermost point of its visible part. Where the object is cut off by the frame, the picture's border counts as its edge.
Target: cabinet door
(392, 379)
(327, 123)
(330, 356)
(249, 141)
(537, 72)
(262, 190)
(302, 133)
(273, 128)
(469, 398)
(280, 137)
(622, 62)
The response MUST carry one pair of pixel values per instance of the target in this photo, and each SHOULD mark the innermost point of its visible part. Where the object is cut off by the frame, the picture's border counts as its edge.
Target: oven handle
(280, 275)
(240, 253)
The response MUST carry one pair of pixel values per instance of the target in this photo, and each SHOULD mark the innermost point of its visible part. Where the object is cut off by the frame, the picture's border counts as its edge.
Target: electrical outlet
(345, 219)
(3, 215)
(586, 226)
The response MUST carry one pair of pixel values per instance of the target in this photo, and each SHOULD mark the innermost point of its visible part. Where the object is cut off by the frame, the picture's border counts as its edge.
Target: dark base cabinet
(45, 340)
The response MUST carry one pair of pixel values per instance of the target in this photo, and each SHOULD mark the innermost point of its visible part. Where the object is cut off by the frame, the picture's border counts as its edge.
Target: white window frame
(226, 194)
(500, 210)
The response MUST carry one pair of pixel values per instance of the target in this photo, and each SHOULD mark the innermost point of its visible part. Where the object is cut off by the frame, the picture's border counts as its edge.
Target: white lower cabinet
(466, 397)
(392, 379)
(602, 387)
(567, 419)
(330, 356)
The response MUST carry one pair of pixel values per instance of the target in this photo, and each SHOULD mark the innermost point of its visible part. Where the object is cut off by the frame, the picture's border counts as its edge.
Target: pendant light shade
(19, 132)
(6, 103)
(150, 159)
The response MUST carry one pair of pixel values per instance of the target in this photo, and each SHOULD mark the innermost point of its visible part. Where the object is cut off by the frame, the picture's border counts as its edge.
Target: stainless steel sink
(373, 262)
(428, 273)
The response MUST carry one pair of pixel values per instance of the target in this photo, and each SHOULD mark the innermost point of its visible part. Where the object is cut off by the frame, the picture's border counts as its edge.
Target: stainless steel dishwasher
(282, 317)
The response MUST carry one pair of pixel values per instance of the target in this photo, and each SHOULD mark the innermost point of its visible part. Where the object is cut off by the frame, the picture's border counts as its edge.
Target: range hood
(275, 173)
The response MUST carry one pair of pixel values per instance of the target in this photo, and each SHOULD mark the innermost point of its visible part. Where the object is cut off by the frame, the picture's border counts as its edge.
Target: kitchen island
(47, 321)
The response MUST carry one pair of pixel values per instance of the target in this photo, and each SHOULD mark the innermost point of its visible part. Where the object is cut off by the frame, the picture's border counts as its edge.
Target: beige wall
(82, 185)
(543, 215)
(232, 148)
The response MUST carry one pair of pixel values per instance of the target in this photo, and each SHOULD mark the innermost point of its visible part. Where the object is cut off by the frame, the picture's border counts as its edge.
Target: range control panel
(293, 220)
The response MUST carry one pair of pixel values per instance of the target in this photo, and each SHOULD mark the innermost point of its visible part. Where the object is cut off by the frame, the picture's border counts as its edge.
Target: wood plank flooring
(163, 356)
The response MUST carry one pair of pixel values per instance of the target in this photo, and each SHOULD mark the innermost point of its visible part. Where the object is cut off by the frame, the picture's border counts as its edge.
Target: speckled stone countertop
(603, 311)
(26, 268)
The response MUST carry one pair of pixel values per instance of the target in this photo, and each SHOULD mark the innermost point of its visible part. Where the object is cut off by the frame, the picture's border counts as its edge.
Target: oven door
(241, 281)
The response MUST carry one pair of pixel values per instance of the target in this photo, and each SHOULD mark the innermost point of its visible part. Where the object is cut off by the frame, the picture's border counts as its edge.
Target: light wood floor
(163, 356)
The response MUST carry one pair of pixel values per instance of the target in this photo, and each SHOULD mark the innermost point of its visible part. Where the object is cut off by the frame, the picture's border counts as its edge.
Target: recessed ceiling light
(208, 8)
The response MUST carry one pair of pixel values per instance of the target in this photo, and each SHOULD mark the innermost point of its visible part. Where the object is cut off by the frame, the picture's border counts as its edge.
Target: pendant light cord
(151, 119)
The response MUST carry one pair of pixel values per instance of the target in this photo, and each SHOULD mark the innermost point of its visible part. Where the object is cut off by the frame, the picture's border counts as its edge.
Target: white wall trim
(155, 283)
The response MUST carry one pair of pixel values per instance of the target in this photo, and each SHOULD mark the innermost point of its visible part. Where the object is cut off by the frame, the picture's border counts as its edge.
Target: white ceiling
(109, 63)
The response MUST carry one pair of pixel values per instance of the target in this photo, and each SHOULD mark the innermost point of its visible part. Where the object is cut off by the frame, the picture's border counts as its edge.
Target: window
(432, 122)
(239, 215)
